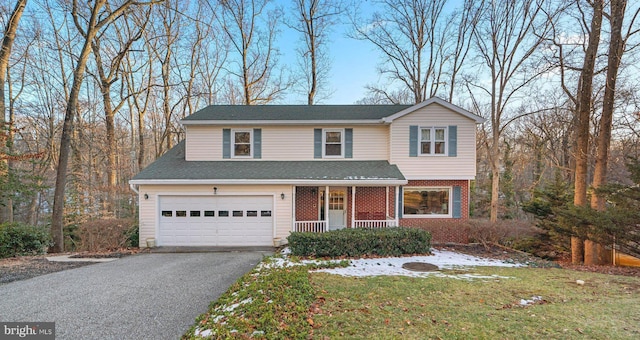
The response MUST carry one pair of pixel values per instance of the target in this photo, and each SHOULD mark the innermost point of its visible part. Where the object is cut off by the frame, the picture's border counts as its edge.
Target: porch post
(386, 209)
(353, 206)
(326, 208)
(397, 206)
(293, 216)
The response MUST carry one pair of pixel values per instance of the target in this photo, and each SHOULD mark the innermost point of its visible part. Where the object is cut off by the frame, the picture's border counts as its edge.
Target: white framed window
(427, 202)
(242, 142)
(333, 143)
(433, 141)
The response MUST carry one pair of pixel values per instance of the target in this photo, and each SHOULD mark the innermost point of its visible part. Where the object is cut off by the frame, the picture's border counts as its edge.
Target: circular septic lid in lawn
(420, 266)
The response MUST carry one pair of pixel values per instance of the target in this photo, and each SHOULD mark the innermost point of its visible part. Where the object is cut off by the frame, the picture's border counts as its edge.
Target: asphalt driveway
(145, 296)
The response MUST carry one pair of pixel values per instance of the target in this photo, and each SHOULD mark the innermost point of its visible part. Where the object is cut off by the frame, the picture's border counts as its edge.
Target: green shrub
(361, 241)
(22, 239)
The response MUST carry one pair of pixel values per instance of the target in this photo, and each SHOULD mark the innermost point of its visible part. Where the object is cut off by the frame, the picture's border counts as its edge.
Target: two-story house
(250, 175)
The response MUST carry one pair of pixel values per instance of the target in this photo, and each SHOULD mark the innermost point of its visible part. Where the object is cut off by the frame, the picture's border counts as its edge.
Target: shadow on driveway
(145, 296)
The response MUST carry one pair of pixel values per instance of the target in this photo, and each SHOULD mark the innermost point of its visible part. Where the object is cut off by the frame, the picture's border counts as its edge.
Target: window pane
(426, 147)
(333, 150)
(181, 213)
(242, 150)
(238, 213)
(439, 134)
(424, 201)
(223, 213)
(167, 213)
(209, 213)
(252, 213)
(194, 213)
(439, 148)
(426, 134)
(333, 137)
(265, 213)
(243, 137)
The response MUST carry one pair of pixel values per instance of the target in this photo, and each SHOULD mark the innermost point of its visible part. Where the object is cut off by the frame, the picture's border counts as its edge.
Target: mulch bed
(25, 267)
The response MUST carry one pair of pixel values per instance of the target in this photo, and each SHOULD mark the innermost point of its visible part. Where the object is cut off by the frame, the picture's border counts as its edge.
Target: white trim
(353, 206)
(315, 122)
(441, 178)
(324, 143)
(433, 141)
(364, 182)
(233, 143)
(436, 100)
(431, 188)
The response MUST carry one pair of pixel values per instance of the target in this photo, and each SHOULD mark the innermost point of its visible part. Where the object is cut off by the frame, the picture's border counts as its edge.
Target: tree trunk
(6, 214)
(583, 115)
(597, 252)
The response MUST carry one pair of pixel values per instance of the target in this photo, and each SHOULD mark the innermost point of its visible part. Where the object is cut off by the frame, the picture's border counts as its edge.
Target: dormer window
(242, 141)
(333, 143)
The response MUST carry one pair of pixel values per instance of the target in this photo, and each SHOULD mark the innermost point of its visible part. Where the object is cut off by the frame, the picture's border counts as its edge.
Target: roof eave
(316, 182)
(436, 100)
(284, 122)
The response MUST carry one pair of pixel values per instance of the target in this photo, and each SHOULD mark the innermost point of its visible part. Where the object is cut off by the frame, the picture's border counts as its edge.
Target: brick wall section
(370, 200)
(443, 229)
(306, 204)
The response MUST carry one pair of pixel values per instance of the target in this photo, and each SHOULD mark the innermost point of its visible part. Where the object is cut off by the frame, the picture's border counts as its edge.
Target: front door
(337, 211)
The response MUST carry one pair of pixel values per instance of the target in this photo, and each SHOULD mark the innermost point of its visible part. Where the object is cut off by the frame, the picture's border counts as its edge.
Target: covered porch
(331, 207)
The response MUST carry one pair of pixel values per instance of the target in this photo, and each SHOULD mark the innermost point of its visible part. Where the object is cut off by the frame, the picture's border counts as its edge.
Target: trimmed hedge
(361, 241)
(23, 239)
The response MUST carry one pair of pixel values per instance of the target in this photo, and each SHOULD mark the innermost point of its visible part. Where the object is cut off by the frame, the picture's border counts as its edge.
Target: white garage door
(216, 221)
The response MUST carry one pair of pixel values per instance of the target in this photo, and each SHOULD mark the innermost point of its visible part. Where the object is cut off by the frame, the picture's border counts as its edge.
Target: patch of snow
(285, 251)
(533, 300)
(205, 333)
(235, 305)
(444, 259)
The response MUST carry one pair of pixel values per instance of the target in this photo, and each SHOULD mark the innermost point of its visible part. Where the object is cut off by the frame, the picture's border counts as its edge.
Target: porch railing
(375, 223)
(311, 226)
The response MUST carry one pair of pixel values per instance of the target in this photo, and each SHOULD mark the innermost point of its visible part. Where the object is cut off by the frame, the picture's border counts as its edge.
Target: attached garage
(215, 221)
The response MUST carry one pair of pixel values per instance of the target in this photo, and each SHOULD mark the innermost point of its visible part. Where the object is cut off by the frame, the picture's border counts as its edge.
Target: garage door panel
(215, 221)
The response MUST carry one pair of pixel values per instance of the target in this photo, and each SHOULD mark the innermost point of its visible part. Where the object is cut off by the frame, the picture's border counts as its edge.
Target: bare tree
(5, 52)
(314, 20)
(252, 32)
(99, 17)
(411, 38)
(596, 253)
(507, 38)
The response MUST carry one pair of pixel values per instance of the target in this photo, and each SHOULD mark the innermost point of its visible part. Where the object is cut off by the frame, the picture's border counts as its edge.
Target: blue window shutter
(317, 143)
(453, 141)
(226, 143)
(348, 143)
(257, 143)
(457, 202)
(400, 202)
(413, 141)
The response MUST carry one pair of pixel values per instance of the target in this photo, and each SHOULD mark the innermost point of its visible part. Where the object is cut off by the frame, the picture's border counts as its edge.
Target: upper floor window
(333, 143)
(433, 141)
(242, 140)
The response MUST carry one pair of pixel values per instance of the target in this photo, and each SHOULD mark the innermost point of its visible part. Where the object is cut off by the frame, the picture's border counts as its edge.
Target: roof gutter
(285, 122)
(311, 182)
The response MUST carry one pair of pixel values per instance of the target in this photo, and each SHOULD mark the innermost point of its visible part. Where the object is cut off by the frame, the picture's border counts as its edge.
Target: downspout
(134, 189)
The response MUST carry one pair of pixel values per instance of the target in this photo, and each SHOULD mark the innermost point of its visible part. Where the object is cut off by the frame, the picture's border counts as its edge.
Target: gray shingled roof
(172, 166)
(295, 112)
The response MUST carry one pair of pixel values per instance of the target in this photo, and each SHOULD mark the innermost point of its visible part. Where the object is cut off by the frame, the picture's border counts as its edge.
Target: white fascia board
(436, 100)
(441, 178)
(363, 182)
(284, 122)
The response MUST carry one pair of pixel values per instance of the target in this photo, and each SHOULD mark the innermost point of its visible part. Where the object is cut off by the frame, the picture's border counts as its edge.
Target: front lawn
(605, 307)
(515, 303)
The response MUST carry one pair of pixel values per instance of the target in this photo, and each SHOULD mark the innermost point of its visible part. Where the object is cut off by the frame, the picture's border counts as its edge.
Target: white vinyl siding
(150, 209)
(462, 166)
(203, 143)
(287, 143)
